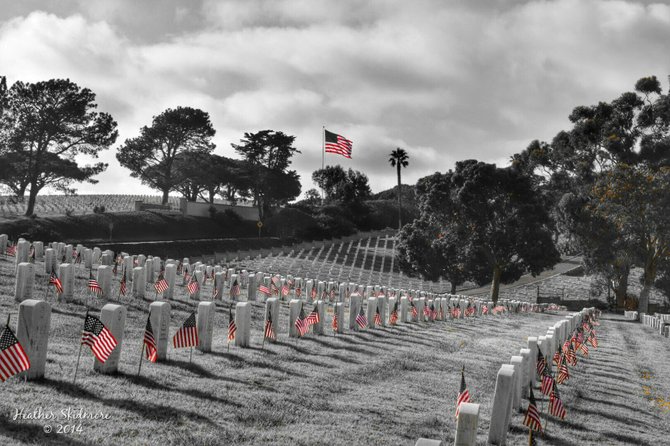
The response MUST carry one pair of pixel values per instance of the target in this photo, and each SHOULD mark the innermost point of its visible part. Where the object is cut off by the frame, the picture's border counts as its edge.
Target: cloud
(444, 80)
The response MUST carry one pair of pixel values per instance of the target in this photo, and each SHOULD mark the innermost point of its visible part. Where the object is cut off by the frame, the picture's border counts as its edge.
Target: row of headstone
(514, 379)
(659, 322)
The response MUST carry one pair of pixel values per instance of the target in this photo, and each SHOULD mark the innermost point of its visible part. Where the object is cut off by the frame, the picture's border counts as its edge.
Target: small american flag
(378, 318)
(337, 144)
(300, 323)
(93, 285)
(314, 317)
(13, 359)
(426, 311)
(485, 309)
(570, 355)
(541, 362)
(585, 350)
(334, 324)
(193, 285)
(161, 284)
(77, 258)
(11, 250)
(456, 313)
(547, 383)
(232, 327)
(31, 254)
(55, 281)
(265, 290)
(274, 285)
(393, 318)
(556, 407)
(187, 335)
(313, 293)
(285, 289)
(361, 319)
(235, 289)
(298, 292)
(593, 340)
(269, 329)
(563, 372)
(463, 395)
(532, 419)
(415, 312)
(98, 338)
(150, 348)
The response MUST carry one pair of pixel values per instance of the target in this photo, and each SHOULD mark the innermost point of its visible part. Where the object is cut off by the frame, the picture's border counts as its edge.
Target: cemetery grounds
(382, 386)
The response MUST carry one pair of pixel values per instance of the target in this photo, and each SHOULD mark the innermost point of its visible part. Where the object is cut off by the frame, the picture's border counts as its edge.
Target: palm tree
(399, 159)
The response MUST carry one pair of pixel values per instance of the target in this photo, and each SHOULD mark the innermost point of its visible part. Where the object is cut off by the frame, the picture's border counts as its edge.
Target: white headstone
(517, 362)
(339, 310)
(25, 280)
(66, 275)
(160, 323)
(371, 310)
(49, 261)
(502, 405)
(404, 309)
(466, 427)
(354, 308)
(532, 365)
(105, 280)
(272, 307)
(294, 306)
(139, 284)
(33, 334)
(170, 278)
(243, 324)
(205, 324)
(525, 371)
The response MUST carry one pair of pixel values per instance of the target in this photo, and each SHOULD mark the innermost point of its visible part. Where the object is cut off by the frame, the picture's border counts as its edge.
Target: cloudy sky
(446, 80)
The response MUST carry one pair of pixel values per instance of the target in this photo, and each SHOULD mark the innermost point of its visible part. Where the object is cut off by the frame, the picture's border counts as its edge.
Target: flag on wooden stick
(187, 335)
(463, 395)
(98, 338)
(13, 359)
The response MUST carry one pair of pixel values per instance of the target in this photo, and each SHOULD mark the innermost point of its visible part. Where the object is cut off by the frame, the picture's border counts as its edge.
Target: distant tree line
(600, 189)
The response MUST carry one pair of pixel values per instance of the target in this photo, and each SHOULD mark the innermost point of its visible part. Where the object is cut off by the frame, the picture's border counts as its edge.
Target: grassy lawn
(388, 386)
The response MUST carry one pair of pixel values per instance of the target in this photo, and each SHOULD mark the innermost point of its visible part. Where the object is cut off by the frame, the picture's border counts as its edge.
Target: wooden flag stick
(76, 369)
(530, 437)
(139, 368)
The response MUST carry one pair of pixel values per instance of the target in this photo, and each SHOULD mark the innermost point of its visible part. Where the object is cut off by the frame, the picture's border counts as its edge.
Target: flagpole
(76, 369)
(139, 368)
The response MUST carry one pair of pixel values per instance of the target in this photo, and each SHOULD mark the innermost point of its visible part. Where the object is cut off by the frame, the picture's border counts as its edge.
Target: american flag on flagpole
(378, 317)
(122, 286)
(150, 349)
(11, 250)
(337, 144)
(463, 395)
(563, 373)
(334, 324)
(98, 338)
(415, 312)
(187, 335)
(547, 383)
(13, 359)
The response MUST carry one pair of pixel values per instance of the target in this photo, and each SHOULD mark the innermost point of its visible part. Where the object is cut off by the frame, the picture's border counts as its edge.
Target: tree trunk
(495, 284)
(453, 288)
(31, 201)
(647, 282)
(399, 199)
(621, 291)
(165, 196)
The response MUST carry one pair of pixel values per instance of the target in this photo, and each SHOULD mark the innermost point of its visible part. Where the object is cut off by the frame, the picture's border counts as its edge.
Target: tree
(495, 215)
(431, 254)
(636, 201)
(348, 187)
(43, 127)
(631, 131)
(152, 156)
(399, 159)
(269, 155)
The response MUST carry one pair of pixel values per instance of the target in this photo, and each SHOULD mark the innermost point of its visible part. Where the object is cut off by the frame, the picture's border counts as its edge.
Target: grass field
(388, 386)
